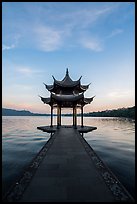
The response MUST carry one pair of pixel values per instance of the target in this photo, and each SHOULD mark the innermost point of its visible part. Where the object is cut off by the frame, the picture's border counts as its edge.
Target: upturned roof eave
(88, 100)
(45, 100)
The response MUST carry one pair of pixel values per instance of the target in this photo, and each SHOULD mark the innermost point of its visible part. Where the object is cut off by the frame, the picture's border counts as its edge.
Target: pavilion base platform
(54, 128)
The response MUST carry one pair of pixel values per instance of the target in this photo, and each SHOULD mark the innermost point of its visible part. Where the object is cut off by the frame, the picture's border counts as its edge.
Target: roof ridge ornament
(80, 78)
(67, 72)
(53, 78)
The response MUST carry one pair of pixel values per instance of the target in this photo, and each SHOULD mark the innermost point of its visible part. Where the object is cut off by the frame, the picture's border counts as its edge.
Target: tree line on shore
(121, 112)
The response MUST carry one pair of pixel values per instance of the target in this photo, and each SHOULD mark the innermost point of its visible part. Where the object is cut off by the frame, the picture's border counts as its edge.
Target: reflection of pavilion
(67, 94)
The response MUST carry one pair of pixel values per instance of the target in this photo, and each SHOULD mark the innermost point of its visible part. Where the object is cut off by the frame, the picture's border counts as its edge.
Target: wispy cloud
(47, 39)
(115, 32)
(88, 17)
(8, 47)
(53, 30)
(79, 16)
(96, 44)
(28, 71)
(120, 94)
(63, 25)
(69, 26)
(93, 44)
(25, 70)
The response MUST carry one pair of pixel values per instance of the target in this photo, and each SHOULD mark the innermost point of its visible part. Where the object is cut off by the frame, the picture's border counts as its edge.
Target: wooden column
(75, 117)
(51, 125)
(81, 116)
(58, 114)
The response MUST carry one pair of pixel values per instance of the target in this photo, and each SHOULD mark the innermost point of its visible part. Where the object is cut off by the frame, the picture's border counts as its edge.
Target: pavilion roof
(67, 85)
(67, 93)
(67, 81)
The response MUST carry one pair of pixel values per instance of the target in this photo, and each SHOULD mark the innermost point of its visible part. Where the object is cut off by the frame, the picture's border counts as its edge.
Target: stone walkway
(68, 174)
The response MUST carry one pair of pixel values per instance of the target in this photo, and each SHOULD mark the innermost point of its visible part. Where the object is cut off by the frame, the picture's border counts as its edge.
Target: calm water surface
(114, 142)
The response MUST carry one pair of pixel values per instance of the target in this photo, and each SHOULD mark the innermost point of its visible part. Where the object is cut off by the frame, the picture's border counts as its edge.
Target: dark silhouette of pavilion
(67, 94)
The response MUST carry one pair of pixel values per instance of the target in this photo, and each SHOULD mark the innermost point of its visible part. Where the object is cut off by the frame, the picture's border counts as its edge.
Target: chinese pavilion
(67, 94)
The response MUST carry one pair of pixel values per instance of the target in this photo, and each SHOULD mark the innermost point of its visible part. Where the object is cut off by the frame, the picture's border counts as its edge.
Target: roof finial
(53, 77)
(67, 73)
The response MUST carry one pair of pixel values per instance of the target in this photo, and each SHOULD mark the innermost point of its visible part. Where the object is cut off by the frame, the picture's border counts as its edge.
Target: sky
(92, 39)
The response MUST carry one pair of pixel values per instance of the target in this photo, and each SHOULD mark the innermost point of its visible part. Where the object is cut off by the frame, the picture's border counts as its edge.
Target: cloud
(120, 94)
(115, 32)
(8, 47)
(92, 44)
(52, 29)
(67, 27)
(80, 15)
(15, 39)
(96, 44)
(28, 71)
(25, 70)
(47, 39)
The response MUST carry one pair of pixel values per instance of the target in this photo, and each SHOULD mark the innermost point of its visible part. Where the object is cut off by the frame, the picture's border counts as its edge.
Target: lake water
(113, 141)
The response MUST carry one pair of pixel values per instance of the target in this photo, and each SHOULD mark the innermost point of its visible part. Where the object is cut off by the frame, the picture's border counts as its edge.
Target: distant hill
(121, 112)
(12, 112)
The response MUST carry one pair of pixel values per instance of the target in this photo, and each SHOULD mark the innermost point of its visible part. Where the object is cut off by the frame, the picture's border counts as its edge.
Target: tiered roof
(66, 86)
(67, 92)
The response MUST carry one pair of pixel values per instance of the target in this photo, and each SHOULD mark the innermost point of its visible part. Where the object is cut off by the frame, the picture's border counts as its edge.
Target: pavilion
(67, 94)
